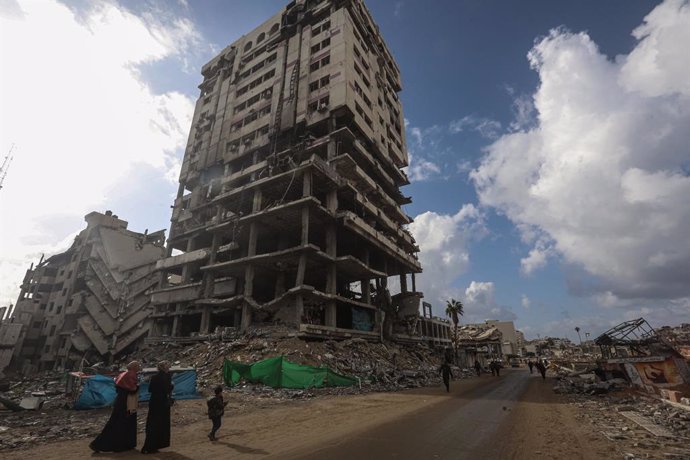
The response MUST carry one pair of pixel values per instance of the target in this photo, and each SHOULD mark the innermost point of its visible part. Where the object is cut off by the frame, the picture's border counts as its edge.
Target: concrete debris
(640, 425)
(378, 367)
(588, 386)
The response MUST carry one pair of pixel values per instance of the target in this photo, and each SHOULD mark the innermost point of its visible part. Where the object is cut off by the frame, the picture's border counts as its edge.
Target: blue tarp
(99, 390)
(185, 386)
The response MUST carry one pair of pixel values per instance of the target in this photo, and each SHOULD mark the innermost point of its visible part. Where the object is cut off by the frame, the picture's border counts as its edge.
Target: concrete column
(186, 268)
(306, 184)
(403, 282)
(304, 239)
(299, 309)
(414, 283)
(248, 293)
(176, 322)
(256, 203)
(253, 236)
(301, 269)
(332, 251)
(332, 146)
(366, 291)
(205, 320)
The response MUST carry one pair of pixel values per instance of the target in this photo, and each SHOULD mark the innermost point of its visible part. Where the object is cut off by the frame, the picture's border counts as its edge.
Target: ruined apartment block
(90, 302)
(289, 205)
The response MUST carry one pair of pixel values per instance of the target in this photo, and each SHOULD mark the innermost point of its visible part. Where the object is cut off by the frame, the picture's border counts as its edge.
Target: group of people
(120, 431)
(494, 367)
(541, 367)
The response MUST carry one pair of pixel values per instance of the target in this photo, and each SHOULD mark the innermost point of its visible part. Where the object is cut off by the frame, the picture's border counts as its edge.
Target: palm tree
(577, 329)
(454, 310)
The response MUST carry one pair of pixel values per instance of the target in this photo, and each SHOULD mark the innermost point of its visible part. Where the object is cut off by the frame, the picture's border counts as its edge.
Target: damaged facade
(89, 302)
(648, 359)
(289, 205)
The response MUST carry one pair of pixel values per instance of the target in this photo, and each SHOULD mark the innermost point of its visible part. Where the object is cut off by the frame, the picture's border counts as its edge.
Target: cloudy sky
(549, 141)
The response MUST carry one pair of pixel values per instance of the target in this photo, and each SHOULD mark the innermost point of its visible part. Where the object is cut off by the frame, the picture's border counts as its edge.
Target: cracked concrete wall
(92, 300)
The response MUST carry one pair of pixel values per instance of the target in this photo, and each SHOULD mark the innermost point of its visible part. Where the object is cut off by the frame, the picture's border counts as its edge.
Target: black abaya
(158, 420)
(120, 432)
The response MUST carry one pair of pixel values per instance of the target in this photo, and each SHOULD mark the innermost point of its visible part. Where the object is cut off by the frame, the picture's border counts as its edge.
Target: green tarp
(281, 373)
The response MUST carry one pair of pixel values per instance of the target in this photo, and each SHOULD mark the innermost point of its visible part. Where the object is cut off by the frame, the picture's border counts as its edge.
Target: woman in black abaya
(158, 420)
(120, 432)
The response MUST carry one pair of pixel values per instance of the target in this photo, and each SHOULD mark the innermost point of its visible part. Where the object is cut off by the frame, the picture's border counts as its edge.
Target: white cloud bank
(602, 178)
(443, 242)
(75, 106)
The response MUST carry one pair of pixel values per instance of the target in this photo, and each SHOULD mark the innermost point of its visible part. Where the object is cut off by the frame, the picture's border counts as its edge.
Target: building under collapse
(87, 303)
(289, 205)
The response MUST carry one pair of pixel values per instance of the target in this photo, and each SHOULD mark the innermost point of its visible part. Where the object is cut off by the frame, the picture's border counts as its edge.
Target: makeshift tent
(281, 373)
(99, 391)
(185, 386)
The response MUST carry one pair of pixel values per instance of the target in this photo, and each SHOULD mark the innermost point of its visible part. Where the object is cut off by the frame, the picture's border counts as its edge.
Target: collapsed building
(87, 303)
(656, 362)
(479, 342)
(289, 203)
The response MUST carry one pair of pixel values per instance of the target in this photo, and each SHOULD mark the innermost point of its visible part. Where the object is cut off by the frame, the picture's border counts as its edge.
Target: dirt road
(515, 416)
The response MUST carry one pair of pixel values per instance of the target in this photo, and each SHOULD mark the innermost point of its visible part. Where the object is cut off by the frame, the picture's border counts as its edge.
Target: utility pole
(5, 166)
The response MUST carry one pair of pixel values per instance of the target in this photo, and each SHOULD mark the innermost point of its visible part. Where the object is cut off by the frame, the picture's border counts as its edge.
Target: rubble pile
(46, 387)
(666, 436)
(378, 366)
(586, 384)
(677, 337)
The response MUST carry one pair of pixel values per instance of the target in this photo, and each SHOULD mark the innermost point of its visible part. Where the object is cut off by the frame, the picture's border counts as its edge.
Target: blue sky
(537, 197)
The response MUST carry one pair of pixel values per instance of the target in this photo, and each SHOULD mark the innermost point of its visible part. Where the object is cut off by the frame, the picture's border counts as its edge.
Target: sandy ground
(538, 424)
(543, 426)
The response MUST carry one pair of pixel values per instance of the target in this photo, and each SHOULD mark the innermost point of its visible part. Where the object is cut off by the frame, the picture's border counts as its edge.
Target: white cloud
(443, 241)
(489, 129)
(602, 178)
(75, 105)
(420, 170)
(423, 146)
(523, 111)
(480, 304)
(525, 302)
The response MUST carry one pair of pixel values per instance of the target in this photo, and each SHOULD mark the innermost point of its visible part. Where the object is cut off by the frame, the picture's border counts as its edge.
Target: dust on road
(537, 424)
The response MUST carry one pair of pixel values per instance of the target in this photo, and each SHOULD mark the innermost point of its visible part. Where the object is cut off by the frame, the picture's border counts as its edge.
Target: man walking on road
(447, 374)
(531, 365)
(542, 369)
(478, 368)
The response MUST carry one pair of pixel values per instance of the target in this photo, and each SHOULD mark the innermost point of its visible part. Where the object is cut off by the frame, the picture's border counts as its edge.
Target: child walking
(216, 409)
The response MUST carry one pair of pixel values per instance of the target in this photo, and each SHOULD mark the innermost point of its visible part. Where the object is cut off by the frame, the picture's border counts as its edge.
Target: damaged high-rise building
(289, 204)
(88, 303)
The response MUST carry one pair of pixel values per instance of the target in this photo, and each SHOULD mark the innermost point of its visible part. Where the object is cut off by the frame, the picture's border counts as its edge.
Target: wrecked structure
(479, 342)
(634, 350)
(88, 303)
(289, 204)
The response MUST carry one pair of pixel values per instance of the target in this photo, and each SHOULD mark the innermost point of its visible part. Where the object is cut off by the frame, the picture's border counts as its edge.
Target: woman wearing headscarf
(120, 432)
(158, 420)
